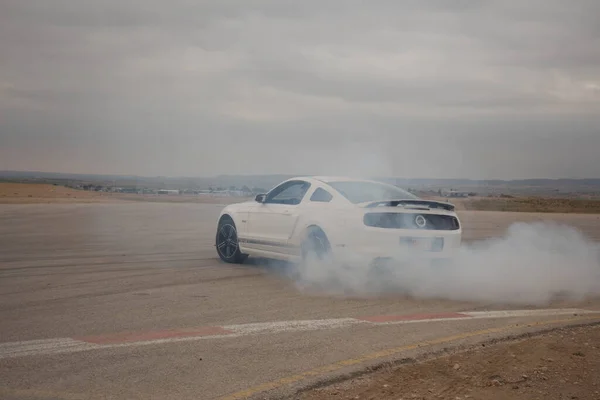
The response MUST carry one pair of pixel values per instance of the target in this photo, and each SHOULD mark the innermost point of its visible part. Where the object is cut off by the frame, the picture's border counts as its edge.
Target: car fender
(237, 212)
(331, 222)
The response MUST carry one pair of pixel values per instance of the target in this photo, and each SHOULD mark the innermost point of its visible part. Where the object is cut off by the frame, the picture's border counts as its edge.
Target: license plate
(424, 244)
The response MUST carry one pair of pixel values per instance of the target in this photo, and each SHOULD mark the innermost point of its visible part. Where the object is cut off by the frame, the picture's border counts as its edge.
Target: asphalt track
(128, 301)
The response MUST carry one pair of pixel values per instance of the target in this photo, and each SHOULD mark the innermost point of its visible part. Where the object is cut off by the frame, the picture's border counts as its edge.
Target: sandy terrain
(525, 204)
(563, 364)
(26, 193)
(23, 193)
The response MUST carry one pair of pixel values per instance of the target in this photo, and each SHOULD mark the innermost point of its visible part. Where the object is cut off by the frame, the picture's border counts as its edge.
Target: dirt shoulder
(27, 193)
(526, 204)
(35, 193)
(563, 364)
(24, 193)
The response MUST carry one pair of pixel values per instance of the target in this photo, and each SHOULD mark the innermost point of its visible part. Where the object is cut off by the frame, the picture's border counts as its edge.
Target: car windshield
(362, 192)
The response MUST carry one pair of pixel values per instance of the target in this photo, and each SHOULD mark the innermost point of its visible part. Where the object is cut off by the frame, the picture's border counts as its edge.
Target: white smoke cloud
(533, 263)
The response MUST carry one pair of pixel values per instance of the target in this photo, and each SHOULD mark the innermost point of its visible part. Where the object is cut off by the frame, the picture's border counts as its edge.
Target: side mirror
(260, 198)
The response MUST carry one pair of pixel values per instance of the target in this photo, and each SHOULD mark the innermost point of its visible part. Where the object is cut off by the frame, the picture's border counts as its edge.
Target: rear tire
(227, 243)
(316, 245)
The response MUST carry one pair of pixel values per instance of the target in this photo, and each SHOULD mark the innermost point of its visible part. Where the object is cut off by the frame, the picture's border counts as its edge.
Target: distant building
(168, 191)
(454, 193)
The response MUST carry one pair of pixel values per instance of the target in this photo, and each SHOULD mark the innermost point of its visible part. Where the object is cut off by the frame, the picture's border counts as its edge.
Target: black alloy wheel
(227, 242)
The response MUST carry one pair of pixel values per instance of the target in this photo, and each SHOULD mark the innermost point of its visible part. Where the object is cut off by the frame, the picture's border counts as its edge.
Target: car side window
(288, 193)
(321, 195)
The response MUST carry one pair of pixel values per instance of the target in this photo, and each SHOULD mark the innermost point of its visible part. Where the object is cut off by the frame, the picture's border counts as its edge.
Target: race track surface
(129, 301)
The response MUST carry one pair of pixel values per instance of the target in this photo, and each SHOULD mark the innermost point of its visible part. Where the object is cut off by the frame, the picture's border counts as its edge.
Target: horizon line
(2, 172)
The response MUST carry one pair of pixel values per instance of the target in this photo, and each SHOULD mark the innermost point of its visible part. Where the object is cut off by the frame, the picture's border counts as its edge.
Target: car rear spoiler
(419, 204)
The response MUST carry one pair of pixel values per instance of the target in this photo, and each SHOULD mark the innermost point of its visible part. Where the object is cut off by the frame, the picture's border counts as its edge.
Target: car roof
(328, 179)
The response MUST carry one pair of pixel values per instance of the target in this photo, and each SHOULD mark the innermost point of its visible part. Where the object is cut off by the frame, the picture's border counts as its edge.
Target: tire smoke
(533, 263)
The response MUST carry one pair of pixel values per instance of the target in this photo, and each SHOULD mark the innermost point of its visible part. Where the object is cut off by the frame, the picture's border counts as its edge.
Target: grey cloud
(164, 88)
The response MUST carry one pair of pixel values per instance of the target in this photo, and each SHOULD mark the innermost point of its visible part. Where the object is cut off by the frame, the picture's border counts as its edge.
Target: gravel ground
(563, 364)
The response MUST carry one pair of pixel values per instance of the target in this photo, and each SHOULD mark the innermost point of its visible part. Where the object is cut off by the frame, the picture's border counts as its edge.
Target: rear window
(321, 195)
(363, 192)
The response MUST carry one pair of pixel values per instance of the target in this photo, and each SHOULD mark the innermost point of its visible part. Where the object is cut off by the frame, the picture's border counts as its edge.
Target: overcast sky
(436, 88)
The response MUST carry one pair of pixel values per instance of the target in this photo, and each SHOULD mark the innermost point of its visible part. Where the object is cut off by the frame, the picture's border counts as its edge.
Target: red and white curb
(86, 343)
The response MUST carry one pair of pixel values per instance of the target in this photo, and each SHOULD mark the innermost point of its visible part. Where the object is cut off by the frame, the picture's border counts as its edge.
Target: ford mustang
(338, 218)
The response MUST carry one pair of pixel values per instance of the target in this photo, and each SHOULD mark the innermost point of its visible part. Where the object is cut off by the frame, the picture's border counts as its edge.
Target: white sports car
(337, 217)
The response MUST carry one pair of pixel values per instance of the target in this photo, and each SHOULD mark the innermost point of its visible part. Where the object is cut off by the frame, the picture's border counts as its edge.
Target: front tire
(227, 243)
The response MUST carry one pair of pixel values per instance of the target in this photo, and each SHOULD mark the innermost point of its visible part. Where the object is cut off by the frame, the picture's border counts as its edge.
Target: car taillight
(390, 220)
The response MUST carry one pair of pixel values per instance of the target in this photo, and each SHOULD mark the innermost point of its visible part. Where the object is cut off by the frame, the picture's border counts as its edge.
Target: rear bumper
(375, 245)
